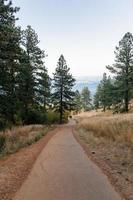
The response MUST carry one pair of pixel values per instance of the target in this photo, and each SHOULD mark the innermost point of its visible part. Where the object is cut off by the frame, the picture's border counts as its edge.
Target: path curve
(64, 172)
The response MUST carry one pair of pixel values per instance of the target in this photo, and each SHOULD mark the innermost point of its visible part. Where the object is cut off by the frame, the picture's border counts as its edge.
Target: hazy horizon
(85, 32)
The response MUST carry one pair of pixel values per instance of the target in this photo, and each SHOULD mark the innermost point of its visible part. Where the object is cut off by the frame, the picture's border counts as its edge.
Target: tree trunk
(127, 89)
(61, 117)
(126, 101)
(61, 109)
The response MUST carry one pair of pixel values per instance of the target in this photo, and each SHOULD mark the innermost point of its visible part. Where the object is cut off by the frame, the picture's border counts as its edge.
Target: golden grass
(117, 127)
(13, 139)
(110, 140)
(22, 130)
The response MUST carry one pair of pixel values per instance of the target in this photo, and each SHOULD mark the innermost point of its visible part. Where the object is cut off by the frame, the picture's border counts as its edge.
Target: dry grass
(110, 139)
(117, 128)
(18, 137)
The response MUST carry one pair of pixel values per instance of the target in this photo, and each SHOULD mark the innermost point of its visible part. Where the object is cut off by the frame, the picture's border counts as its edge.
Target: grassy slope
(19, 137)
(117, 128)
(110, 138)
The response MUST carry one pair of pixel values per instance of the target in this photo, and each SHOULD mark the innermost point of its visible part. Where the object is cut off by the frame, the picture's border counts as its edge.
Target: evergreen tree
(110, 92)
(31, 64)
(26, 84)
(78, 101)
(123, 68)
(9, 59)
(96, 100)
(104, 96)
(44, 86)
(103, 93)
(86, 98)
(63, 95)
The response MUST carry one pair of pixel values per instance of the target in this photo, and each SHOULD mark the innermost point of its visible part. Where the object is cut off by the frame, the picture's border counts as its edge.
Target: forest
(25, 86)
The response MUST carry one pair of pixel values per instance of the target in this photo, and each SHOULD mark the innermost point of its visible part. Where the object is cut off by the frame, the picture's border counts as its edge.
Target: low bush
(33, 117)
(38, 137)
(52, 117)
(2, 142)
(3, 124)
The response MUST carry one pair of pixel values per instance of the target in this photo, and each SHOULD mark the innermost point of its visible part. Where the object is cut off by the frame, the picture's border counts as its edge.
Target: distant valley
(90, 82)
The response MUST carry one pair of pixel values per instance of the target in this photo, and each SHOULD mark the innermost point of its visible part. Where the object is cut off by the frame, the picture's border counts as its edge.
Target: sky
(84, 31)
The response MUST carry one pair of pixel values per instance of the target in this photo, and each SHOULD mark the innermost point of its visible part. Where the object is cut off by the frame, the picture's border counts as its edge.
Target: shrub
(3, 124)
(52, 117)
(2, 142)
(33, 117)
(38, 137)
(29, 142)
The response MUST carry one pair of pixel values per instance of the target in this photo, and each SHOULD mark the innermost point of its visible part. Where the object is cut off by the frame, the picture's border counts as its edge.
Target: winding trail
(64, 172)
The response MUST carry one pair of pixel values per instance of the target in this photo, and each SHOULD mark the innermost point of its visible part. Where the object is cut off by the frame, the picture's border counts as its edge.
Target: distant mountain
(90, 82)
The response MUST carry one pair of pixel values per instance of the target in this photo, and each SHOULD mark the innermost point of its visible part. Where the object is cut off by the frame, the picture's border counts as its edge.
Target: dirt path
(64, 172)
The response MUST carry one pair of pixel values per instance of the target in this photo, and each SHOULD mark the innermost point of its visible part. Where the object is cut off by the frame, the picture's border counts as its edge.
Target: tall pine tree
(78, 101)
(31, 63)
(104, 96)
(86, 98)
(123, 68)
(9, 59)
(63, 95)
(43, 88)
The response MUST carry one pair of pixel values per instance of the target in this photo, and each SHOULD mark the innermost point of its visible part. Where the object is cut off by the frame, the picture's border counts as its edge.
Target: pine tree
(96, 100)
(26, 84)
(44, 85)
(104, 96)
(103, 93)
(63, 95)
(86, 98)
(31, 63)
(9, 59)
(77, 101)
(123, 67)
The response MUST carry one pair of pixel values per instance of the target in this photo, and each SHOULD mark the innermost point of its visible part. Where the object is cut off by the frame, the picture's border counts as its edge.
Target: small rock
(126, 179)
(123, 164)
